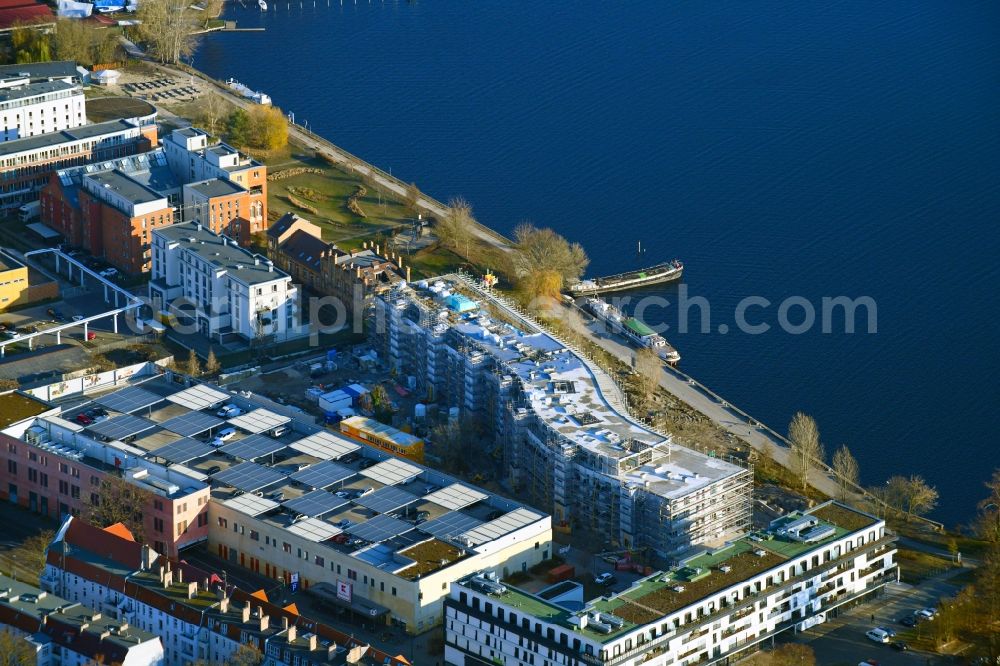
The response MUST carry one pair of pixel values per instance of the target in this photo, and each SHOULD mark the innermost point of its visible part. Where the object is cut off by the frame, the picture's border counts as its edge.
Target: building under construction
(569, 447)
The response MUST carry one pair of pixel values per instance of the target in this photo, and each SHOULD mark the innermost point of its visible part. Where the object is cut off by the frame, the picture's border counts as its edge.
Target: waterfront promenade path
(341, 157)
(687, 390)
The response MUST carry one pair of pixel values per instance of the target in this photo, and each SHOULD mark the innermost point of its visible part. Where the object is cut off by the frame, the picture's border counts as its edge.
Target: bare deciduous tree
(118, 501)
(192, 367)
(807, 450)
(455, 229)
(846, 468)
(214, 110)
(15, 650)
(648, 371)
(167, 26)
(412, 197)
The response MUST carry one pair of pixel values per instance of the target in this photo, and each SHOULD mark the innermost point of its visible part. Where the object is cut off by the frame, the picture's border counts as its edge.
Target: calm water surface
(814, 148)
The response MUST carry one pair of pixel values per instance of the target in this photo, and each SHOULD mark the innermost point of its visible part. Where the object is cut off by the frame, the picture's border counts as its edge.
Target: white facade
(29, 109)
(520, 629)
(193, 159)
(228, 288)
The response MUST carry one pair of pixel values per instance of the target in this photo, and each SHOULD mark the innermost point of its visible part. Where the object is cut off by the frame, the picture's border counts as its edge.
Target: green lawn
(915, 566)
(327, 193)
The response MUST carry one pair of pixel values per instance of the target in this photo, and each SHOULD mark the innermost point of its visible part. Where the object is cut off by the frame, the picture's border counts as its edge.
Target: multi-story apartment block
(29, 109)
(222, 206)
(78, 211)
(56, 466)
(223, 287)
(712, 607)
(289, 499)
(36, 72)
(25, 164)
(569, 445)
(61, 632)
(193, 159)
(195, 613)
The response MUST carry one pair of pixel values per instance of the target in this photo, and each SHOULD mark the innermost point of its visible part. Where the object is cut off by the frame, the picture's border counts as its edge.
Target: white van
(878, 635)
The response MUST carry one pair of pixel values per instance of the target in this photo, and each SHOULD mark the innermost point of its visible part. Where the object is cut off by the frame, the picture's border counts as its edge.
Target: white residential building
(29, 109)
(713, 608)
(61, 632)
(192, 611)
(569, 445)
(223, 287)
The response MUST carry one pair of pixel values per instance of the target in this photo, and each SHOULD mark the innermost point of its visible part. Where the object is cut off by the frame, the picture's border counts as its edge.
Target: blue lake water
(780, 149)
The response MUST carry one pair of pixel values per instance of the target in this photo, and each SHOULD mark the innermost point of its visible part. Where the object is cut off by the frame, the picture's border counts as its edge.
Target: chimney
(246, 613)
(364, 244)
(197, 225)
(192, 589)
(407, 273)
(225, 241)
(292, 633)
(168, 579)
(204, 584)
(357, 272)
(312, 642)
(161, 573)
(180, 575)
(399, 261)
(331, 650)
(378, 250)
(256, 260)
(224, 605)
(284, 622)
(265, 622)
(148, 557)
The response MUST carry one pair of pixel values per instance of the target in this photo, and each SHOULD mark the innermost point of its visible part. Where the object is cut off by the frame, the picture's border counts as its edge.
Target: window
(223, 522)
(254, 535)
(44, 480)
(157, 504)
(287, 547)
(352, 574)
(12, 467)
(158, 525)
(74, 492)
(182, 527)
(320, 561)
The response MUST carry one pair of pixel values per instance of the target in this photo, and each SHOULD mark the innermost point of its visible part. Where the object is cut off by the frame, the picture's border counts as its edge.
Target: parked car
(96, 415)
(226, 434)
(899, 645)
(109, 272)
(888, 630)
(604, 578)
(610, 559)
(229, 411)
(909, 621)
(366, 463)
(83, 419)
(877, 635)
(927, 613)
(214, 469)
(77, 317)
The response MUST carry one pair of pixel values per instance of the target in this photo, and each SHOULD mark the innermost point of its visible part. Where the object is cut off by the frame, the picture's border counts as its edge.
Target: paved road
(842, 640)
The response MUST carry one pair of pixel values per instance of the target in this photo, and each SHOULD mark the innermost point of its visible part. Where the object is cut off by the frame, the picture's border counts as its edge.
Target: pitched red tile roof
(120, 530)
(23, 11)
(109, 543)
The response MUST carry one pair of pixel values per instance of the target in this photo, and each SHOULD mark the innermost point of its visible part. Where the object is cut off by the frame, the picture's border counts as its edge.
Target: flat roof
(124, 186)
(226, 255)
(51, 139)
(35, 89)
(16, 407)
(697, 577)
(216, 187)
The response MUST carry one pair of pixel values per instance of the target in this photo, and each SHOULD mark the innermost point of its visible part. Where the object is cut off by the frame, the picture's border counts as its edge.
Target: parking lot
(842, 640)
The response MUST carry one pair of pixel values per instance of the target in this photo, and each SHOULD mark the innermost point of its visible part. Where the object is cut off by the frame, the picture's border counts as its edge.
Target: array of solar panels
(387, 499)
(253, 447)
(379, 528)
(249, 476)
(121, 427)
(259, 420)
(128, 400)
(323, 474)
(315, 503)
(191, 424)
(199, 396)
(183, 450)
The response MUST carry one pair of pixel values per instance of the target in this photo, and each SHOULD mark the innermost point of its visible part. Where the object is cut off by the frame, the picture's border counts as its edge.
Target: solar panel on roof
(314, 529)
(258, 420)
(191, 423)
(253, 447)
(199, 396)
(249, 476)
(121, 427)
(129, 400)
(250, 504)
(380, 528)
(391, 471)
(386, 499)
(323, 474)
(505, 524)
(183, 450)
(456, 496)
(450, 525)
(315, 503)
(325, 445)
